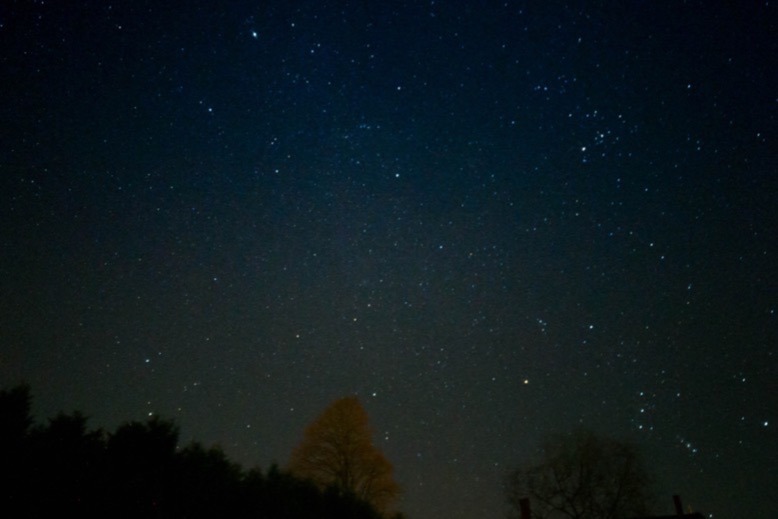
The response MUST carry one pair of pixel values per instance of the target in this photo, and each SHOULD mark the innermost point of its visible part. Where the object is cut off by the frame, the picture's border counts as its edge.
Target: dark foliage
(63, 469)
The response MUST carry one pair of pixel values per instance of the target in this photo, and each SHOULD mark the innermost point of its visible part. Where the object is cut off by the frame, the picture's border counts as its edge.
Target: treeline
(63, 469)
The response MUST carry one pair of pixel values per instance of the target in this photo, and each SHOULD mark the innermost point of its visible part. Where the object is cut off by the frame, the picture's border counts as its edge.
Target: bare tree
(582, 476)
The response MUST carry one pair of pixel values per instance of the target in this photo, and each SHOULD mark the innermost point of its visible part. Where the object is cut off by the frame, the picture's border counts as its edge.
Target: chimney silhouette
(524, 505)
(678, 505)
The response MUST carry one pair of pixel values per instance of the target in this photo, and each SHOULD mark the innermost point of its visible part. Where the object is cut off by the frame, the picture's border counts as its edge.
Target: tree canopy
(582, 476)
(140, 470)
(337, 450)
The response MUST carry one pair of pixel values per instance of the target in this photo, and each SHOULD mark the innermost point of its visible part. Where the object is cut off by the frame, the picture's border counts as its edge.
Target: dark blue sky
(492, 221)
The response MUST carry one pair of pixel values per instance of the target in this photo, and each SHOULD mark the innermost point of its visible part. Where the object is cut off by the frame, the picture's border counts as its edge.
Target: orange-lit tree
(337, 450)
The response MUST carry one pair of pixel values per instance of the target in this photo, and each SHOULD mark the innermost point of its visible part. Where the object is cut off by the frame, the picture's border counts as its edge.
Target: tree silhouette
(63, 469)
(206, 483)
(337, 451)
(15, 421)
(582, 476)
(141, 463)
(66, 459)
(15, 415)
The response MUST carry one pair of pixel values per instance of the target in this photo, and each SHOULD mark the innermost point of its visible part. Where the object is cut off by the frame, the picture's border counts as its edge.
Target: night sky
(491, 221)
